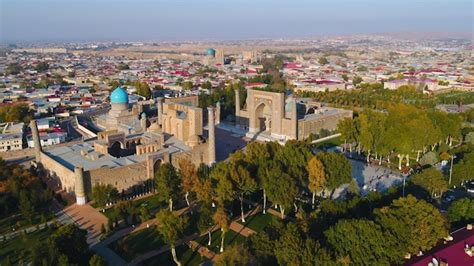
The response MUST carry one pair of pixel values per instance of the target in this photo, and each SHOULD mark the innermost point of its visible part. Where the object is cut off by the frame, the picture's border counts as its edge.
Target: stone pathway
(245, 231)
(89, 219)
(203, 251)
(156, 252)
(112, 258)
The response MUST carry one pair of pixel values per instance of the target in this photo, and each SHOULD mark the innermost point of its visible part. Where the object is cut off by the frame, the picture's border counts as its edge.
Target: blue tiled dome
(119, 95)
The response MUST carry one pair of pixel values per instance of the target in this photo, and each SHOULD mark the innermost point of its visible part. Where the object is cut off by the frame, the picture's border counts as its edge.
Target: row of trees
(403, 130)
(383, 236)
(282, 172)
(65, 245)
(373, 96)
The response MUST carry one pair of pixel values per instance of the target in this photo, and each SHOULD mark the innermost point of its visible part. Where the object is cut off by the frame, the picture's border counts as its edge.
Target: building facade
(273, 116)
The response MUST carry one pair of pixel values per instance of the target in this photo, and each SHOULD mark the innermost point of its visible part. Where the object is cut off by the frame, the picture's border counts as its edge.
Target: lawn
(152, 203)
(329, 143)
(137, 243)
(18, 245)
(185, 255)
(231, 238)
(259, 221)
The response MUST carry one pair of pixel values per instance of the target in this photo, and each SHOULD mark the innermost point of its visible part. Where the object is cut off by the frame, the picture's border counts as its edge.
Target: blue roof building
(119, 95)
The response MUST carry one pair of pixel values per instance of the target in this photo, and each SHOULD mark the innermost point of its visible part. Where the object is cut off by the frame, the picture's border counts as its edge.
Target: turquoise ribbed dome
(119, 95)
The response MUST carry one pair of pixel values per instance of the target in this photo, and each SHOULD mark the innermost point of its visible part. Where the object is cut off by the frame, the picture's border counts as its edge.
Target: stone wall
(306, 127)
(121, 178)
(186, 100)
(56, 170)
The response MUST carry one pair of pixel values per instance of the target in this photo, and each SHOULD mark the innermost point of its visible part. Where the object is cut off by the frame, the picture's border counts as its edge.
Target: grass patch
(152, 203)
(231, 238)
(185, 255)
(329, 143)
(258, 222)
(138, 243)
(20, 246)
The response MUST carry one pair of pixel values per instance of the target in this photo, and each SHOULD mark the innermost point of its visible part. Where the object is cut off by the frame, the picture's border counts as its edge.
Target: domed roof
(211, 51)
(119, 95)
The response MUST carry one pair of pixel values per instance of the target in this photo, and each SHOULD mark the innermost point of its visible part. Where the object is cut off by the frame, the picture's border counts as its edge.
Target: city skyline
(144, 20)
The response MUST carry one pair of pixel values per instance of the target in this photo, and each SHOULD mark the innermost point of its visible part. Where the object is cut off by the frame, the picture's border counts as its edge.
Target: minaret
(218, 113)
(159, 110)
(143, 122)
(212, 136)
(294, 119)
(79, 189)
(36, 140)
(237, 106)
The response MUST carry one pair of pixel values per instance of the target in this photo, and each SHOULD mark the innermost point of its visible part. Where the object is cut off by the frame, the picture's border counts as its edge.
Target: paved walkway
(203, 251)
(61, 217)
(156, 252)
(111, 257)
(89, 219)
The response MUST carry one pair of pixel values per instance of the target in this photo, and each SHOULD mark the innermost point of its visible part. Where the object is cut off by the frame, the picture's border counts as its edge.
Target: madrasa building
(131, 148)
(272, 116)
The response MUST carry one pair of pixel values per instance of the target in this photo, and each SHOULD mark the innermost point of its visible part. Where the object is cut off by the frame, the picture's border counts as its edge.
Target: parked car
(448, 196)
(470, 186)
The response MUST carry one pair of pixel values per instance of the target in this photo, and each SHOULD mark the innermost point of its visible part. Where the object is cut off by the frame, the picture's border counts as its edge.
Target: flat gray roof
(70, 156)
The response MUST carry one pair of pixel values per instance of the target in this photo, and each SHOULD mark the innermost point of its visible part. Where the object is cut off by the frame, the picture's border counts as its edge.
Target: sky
(168, 20)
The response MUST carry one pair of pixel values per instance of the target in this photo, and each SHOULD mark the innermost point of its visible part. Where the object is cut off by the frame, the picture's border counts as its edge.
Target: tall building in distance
(250, 56)
(220, 56)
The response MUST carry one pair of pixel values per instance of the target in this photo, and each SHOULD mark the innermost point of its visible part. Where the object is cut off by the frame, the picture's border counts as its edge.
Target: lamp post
(451, 169)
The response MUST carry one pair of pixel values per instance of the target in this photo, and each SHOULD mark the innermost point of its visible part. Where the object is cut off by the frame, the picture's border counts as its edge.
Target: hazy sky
(54, 20)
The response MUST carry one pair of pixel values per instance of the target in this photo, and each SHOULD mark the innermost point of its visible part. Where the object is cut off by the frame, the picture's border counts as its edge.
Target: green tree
(337, 168)
(349, 131)
(76, 250)
(145, 214)
(461, 210)
(42, 66)
(167, 183)
(293, 249)
(257, 158)
(235, 255)
(224, 190)
(243, 183)
(353, 188)
(463, 169)
(97, 260)
(356, 80)
(187, 85)
(323, 61)
(429, 158)
(143, 89)
(123, 66)
(414, 224)
(103, 194)
(171, 226)
(13, 69)
(432, 180)
(205, 221)
(281, 190)
(363, 242)
(293, 158)
(27, 208)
